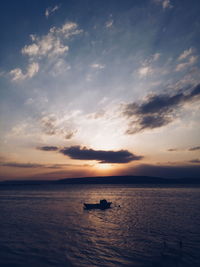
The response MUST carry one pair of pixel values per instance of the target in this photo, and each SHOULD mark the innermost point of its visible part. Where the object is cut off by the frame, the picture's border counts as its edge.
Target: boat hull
(97, 206)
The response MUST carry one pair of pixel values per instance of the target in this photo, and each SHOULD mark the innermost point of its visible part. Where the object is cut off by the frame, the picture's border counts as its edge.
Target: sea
(46, 225)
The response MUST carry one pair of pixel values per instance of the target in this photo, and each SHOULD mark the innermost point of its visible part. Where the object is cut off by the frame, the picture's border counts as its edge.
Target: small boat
(102, 205)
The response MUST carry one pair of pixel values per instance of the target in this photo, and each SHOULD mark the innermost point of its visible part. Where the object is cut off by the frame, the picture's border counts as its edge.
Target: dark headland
(148, 180)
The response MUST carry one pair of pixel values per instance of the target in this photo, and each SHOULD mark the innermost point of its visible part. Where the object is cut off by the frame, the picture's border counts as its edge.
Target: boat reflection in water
(103, 204)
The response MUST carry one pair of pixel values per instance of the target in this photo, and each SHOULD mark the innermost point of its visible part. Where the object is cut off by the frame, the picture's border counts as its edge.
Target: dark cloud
(34, 165)
(60, 166)
(167, 171)
(195, 161)
(194, 148)
(121, 156)
(21, 165)
(70, 134)
(172, 149)
(157, 110)
(195, 92)
(48, 148)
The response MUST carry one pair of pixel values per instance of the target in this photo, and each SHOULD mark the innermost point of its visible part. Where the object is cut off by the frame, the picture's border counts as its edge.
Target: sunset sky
(96, 88)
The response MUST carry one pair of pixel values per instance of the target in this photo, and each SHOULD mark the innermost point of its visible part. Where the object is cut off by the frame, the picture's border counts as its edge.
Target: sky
(98, 88)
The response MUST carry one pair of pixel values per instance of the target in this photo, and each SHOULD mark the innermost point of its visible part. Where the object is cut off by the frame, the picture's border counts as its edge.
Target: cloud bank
(166, 171)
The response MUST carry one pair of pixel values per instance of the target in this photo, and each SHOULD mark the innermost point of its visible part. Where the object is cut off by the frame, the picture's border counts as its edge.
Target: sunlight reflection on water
(47, 226)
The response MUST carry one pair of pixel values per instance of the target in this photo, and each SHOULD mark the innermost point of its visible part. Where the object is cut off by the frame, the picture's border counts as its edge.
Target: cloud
(109, 23)
(51, 46)
(51, 10)
(18, 75)
(144, 71)
(190, 62)
(186, 53)
(147, 68)
(48, 46)
(97, 66)
(35, 165)
(195, 161)
(194, 148)
(188, 58)
(70, 134)
(166, 4)
(156, 56)
(20, 165)
(52, 125)
(121, 156)
(53, 43)
(49, 124)
(48, 148)
(166, 171)
(33, 68)
(157, 110)
(59, 68)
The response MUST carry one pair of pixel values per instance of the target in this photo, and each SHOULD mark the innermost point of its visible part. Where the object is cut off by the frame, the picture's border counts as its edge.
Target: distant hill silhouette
(108, 180)
(128, 180)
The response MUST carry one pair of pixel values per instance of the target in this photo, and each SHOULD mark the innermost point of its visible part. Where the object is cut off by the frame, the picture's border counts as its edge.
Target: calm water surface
(47, 226)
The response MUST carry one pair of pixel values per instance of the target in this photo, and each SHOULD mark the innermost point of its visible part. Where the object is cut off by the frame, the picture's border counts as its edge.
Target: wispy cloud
(166, 4)
(190, 62)
(50, 46)
(195, 148)
(147, 66)
(53, 43)
(50, 10)
(186, 54)
(48, 148)
(97, 66)
(52, 125)
(45, 126)
(144, 71)
(172, 149)
(33, 165)
(156, 56)
(109, 23)
(18, 75)
(196, 161)
(186, 59)
(20, 165)
(59, 67)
